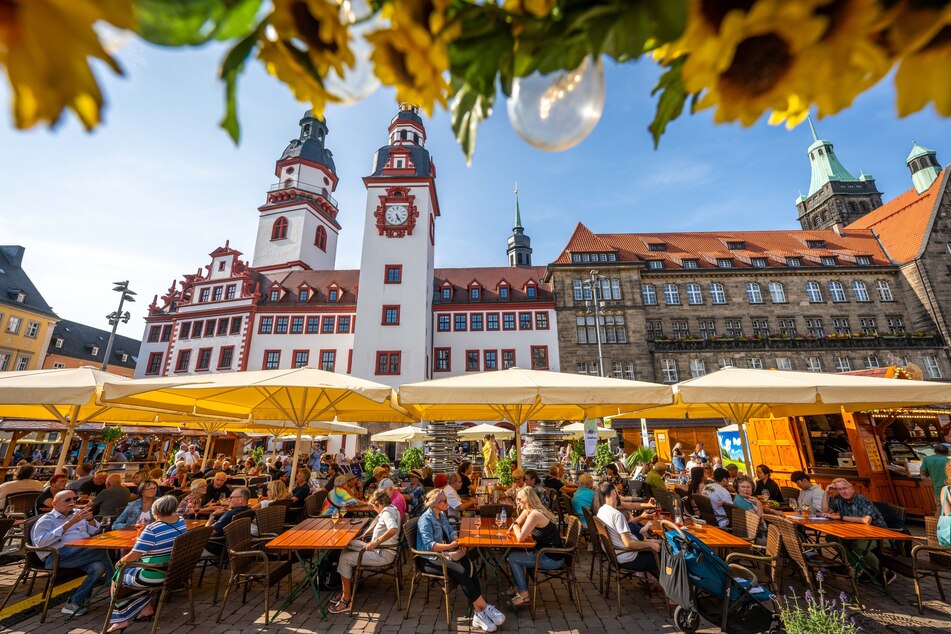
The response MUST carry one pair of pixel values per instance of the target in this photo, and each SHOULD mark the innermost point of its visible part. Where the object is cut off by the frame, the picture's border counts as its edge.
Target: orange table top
(848, 530)
(123, 538)
(712, 536)
(317, 533)
(487, 536)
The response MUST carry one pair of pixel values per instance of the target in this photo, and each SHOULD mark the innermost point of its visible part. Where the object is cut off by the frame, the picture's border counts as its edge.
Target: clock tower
(393, 340)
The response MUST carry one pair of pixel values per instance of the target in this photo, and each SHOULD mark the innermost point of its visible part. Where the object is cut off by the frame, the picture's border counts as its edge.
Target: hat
(350, 476)
(518, 473)
(416, 473)
(440, 496)
(385, 483)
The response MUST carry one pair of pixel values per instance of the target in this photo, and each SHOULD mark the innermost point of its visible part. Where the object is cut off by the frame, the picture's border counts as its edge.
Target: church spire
(519, 249)
(518, 213)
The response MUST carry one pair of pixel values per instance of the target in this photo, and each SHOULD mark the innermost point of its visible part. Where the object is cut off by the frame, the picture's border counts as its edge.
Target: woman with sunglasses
(541, 525)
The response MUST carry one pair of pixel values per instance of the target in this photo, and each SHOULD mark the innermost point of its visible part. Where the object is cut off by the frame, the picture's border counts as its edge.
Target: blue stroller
(701, 584)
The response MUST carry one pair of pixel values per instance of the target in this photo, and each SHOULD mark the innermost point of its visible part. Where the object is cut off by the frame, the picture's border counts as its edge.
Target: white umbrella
(477, 432)
(410, 433)
(575, 431)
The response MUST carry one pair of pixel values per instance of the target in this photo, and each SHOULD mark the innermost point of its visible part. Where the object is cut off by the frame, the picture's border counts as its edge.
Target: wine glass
(222, 498)
(498, 523)
(805, 510)
(335, 518)
(477, 523)
(793, 504)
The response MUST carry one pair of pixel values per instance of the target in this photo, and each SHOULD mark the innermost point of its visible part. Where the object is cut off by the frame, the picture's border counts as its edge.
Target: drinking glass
(222, 498)
(498, 523)
(805, 510)
(477, 523)
(793, 504)
(335, 518)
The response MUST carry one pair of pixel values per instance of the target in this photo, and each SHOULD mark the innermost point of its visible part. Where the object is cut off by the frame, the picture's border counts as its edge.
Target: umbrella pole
(296, 457)
(67, 441)
(518, 446)
(745, 443)
(204, 460)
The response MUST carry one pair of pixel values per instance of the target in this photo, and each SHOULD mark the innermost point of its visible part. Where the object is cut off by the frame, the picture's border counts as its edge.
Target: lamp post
(596, 303)
(125, 295)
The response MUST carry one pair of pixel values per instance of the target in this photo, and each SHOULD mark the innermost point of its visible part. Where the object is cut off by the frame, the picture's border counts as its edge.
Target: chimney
(839, 229)
(13, 253)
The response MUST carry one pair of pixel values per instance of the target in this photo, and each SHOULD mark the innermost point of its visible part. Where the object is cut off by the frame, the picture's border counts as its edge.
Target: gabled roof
(13, 279)
(79, 339)
(902, 224)
(319, 282)
(489, 278)
(583, 240)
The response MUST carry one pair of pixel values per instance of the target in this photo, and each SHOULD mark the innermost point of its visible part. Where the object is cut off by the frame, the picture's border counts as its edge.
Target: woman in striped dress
(154, 546)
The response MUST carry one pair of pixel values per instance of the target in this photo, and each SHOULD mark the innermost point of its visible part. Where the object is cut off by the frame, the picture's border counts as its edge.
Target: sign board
(590, 437)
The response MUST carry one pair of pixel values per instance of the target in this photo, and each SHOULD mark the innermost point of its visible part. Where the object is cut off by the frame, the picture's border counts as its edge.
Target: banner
(590, 437)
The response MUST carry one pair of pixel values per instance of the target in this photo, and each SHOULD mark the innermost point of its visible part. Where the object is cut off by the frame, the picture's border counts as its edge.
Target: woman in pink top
(387, 485)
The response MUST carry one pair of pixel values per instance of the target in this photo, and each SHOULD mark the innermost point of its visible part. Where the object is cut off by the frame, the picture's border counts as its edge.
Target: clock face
(396, 214)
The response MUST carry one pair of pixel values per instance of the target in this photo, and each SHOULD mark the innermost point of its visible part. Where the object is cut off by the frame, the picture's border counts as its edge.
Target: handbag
(944, 522)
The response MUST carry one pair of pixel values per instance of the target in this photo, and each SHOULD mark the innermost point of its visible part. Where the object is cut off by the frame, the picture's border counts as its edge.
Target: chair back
(32, 559)
(21, 503)
(313, 503)
(238, 538)
(591, 528)
(186, 551)
(567, 509)
(409, 529)
(705, 507)
(491, 510)
(6, 523)
(573, 533)
(744, 524)
(249, 514)
(774, 541)
(681, 491)
(789, 492)
(270, 520)
(665, 499)
(635, 487)
(791, 540)
(606, 544)
(237, 481)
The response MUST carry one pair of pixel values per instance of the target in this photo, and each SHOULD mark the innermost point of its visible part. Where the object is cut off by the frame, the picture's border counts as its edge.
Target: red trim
(386, 273)
(531, 324)
(285, 265)
(350, 319)
(432, 230)
(514, 321)
(502, 358)
(388, 355)
(480, 306)
(152, 357)
(547, 360)
(333, 324)
(448, 352)
(448, 317)
(423, 181)
(547, 325)
(202, 351)
(279, 229)
(221, 354)
(455, 322)
(244, 351)
(498, 322)
(349, 360)
(320, 238)
(408, 123)
(183, 355)
(396, 195)
(260, 329)
(294, 354)
(481, 327)
(485, 360)
(154, 333)
(386, 307)
(333, 365)
(280, 165)
(478, 361)
(264, 358)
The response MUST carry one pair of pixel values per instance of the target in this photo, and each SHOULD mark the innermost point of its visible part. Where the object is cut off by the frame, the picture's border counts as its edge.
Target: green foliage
(258, 455)
(372, 460)
(112, 434)
(412, 459)
(577, 451)
(642, 455)
(503, 471)
(177, 23)
(673, 96)
(816, 615)
(603, 456)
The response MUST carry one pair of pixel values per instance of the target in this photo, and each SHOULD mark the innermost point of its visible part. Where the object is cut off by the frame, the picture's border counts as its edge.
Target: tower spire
(519, 245)
(815, 137)
(518, 212)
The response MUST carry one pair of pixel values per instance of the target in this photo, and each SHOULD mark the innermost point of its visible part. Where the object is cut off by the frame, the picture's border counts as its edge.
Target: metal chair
(611, 557)
(597, 554)
(313, 503)
(418, 572)
(21, 505)
(569, 553)
(705, 508)
(917, 567)
(393, 569)
(186, 551)
(250, 565)
(835, 565)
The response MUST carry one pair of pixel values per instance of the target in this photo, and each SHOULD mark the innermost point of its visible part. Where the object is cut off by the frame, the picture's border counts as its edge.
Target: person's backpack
(327, 576)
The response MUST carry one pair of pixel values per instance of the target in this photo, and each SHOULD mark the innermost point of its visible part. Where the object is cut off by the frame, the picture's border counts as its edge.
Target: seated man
(23, 482)
(841, 502)
(237, 503)
(621, 536)
(95, 486)
(655, 479)
(61, 526)
(217, 489)
(82, 476)
(810, 494)
(413, 493)
(553, 481)
(113, 498)
(533, 480)
(338, 498)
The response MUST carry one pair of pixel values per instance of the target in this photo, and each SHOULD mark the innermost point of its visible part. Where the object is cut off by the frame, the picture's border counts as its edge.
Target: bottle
(676, 514)
(504, 520)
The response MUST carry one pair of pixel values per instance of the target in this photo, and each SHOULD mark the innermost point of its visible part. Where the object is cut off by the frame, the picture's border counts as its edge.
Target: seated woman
(614, 477)
(583, 497)
(338, 498)
(766, 485)
(44, 503)
(744, 497)
(154, 546)
(276, 490)
(139, 511)
(465, 470)
(677, 457)
(191, 504)
(435, 535)
(385, 530)
(541, 524)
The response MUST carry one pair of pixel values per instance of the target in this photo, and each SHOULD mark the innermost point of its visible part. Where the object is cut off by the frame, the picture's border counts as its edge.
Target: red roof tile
(489, 278)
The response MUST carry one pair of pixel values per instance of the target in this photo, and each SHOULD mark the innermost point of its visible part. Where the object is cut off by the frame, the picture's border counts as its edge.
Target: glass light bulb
(359, 81)
(557, 111)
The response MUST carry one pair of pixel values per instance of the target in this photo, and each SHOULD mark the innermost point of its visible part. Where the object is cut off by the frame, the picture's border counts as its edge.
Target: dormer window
(20, 297)
(576, 257)
(863, 260)
(656, 246)
(724, 263)
(655, 265)
(815, 244)
(474, 293)
(204, 294)
(736, 245)
(828, 261)
(689, 264)
(218, 293)
(58, 342)
(303, 295)
(793, 262)
(125, 357)
(530, 290)
(446, 293)
(274, 295)
(95, 351)
(759, 263)
(503, 292)
(221, 265)
(333, 295)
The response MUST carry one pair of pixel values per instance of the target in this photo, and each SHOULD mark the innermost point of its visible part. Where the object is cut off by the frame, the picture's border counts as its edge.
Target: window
(783, 363)
(446, 294)
(443, 360)
(23, 362)
(333, 295)
(225, 357)
(724, 263)
(813, 364)
(582, 328)
(204, 295)
(199, 326)
(320, 238)
(327, 325)
(490, 360)
(154, 333)
(689, 264)
(655, 265)
(734, 327)
(836, 291)
(95, 351)
(754, 293)
(814, 327)
(388, 363)
(697, 367)
(717, 296)
(541, 321)
(313, 325)
(842, 364)
(280, 327)
(680, 328)
(615, 288)
(391, 316)
(759, 263)
(736, 245)
(181, 363)
(508, 321)
(617, 370)
(871, 362)
(815, 244)
(863, 260)
(668, 369)
(671, 294)
(524, 321)
(884, 291)
(203, 362)
(530, 291)
(896, 325)
(648, 295)
(656, 246)
(328, 359)
(777, 294)
(787, 326)
(577, 290)
(868, 325)
(754, 363)
(167, 332)
(443, 322)
(492, 321)
(694, 296)
(461, 322)
(539, 357)
(813, 292)
(932, 370)
(475, 321)
(279, 229)
(343, 325)
(474, 293)
(841, 326)
(726, 362)
(828, 260)
(394, 274)
(582, 367)
(472, 360)
(793, 262)
(508, 359)
(274, 296)
(708, 328)
(303, 295)
(58, 342)
(222, 327)
(218, 293)
(860, 290)
(230, 290)
(301, 358)
(4, 362)
(503, 292)
(655, 329)
(209, 329)
(760, 327)
(629, 370)
(154, 364)
(272, 359)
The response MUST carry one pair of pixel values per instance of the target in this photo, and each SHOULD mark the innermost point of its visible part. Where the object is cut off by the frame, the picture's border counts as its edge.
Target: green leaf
(193, 22)
(239, 20)
(483, 47)
(673, 95)
(231, 68)
(468, 110)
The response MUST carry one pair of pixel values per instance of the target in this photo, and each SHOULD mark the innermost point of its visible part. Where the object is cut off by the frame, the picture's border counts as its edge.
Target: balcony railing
(304, 187)
(834, 342)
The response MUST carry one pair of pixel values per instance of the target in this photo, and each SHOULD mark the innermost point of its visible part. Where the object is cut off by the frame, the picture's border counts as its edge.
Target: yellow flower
(45, 46)
(924, 74)
(286, 65)
(537, 8)
(317, 24)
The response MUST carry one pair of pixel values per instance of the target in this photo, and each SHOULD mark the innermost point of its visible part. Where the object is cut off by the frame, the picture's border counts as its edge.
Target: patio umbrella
(477, 432)
(517, 396)
(410, 433)
(300, 398)
(575, 431)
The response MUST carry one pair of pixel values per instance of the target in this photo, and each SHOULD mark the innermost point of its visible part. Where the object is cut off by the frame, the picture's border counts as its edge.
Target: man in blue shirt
(841, 502)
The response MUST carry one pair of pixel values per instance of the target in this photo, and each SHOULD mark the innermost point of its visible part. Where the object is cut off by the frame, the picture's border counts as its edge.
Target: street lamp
(597, 303)
(125, 295)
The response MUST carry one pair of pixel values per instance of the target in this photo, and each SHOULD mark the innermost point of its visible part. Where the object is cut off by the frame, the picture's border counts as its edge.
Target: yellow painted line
(37, 599)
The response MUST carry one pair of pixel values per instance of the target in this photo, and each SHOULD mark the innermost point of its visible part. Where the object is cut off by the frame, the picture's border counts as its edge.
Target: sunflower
(924, 73)
(752, 62)
(317, 24)
(537, 8)
(293, 67)
(45, 46)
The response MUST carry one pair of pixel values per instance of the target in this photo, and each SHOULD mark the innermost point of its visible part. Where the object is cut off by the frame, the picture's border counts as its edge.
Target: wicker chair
(313, 503)
(705, 507)
(765, 565)
(917, 567)
(611, 557)
(743, 524)
(790, 493)
(566, 573)
(636, 487)
(270, 520)
(491, 510)
(835, 565)
(20, 505)
(393, 569)
(186, 551)
(445, 582)
(249, 565)
(597, 553)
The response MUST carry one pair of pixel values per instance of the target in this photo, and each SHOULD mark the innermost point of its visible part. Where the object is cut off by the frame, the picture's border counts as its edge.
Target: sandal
(342, 606)
(335, 597)
(518, 600)
(116, 627)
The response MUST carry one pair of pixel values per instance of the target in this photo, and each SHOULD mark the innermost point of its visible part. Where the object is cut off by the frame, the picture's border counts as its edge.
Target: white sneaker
(493, 613)
(483, 621)
(74, 610)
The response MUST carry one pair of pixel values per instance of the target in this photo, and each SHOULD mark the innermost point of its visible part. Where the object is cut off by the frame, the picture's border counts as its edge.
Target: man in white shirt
(810, 493)
(641, 559)
(23, 482)
(63, 525)
(452, 491)
(192, 456)
(181, 453)
(718, 495)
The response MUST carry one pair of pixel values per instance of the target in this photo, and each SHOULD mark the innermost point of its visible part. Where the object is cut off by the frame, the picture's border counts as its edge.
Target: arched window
(320, 239)
(279, 229)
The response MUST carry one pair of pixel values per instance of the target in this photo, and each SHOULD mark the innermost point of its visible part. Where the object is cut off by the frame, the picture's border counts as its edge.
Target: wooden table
(490, 547)
(123, 538)
(317, 534)
(712, 536)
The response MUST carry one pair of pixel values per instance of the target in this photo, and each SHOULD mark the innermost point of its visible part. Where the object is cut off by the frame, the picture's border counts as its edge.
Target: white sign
(590, 437)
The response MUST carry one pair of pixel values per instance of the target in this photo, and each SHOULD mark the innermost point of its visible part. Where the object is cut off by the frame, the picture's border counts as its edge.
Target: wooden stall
(668, 432)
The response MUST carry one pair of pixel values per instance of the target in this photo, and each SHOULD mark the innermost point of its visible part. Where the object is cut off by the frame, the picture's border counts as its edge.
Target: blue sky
(159, 186)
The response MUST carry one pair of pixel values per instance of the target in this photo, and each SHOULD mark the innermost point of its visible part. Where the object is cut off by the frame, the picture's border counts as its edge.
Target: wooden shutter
(773, 443)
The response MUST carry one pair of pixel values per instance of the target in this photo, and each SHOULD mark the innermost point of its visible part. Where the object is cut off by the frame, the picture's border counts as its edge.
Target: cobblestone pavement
(376, 612)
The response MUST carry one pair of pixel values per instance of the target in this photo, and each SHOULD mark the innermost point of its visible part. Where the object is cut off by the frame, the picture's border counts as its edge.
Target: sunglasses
(69, 500)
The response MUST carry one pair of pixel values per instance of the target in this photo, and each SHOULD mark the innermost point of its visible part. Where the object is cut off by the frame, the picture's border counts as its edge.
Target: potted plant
(111, 435)
(372, 460)
(503, 471)
(603, 456)
(640, 456)
(412, 459)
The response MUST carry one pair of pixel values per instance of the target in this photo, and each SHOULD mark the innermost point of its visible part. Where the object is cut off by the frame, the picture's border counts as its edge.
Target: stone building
(833, 298)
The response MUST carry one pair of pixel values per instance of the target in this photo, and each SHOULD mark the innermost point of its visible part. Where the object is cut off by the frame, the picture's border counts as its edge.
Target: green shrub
(577, 451)
(503, 471)
(372, 460)
(603, 456)
(112, 434)
(642, 455)
(412, 459)
(258, 454)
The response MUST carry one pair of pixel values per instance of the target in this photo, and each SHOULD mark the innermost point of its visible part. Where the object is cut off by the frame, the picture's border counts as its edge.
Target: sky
(147, 196)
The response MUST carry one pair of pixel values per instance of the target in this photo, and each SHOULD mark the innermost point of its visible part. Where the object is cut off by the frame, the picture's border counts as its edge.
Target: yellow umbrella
(518, 396)
(302, 396)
